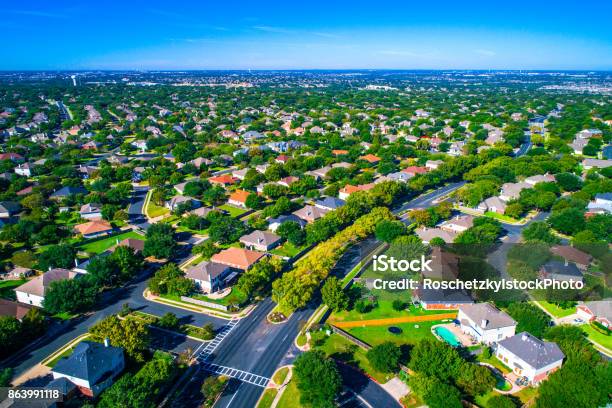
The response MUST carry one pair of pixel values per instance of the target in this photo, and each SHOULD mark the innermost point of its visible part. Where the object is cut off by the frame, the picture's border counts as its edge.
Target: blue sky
(331, 34)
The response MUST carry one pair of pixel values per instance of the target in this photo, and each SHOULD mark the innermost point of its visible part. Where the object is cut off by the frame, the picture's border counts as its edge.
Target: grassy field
(7, 286)
(102, 245)
(290, 397)
(341, 349)
(411, 334)
(233, 211)
(500, 217)
(267, 398)
(556, 310)
(382, 311)
(494, 361)
(596, 336)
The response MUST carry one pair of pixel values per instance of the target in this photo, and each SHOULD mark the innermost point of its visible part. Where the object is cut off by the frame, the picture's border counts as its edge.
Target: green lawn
(267, 398)
(341, 349)
(235, 297)
(411, 334)
(233, 211)
(101, 245)
(153, 210)
(290, 397)
(500, 217)
(556, 310)
(594, 335)
(66, 353)
(287, 249)
(495, 362)
(382, 311)
(6, 288)
(280, 375)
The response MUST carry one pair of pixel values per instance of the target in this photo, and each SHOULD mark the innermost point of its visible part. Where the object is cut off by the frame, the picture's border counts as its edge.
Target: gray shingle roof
(533, 351)
(494, 317)
(90, 361)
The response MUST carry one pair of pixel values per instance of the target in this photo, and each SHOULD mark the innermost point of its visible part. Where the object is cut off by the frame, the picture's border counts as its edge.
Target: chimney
(565, 263)
(484, 323)
(524, 337)
(106, 342)
(76, 262)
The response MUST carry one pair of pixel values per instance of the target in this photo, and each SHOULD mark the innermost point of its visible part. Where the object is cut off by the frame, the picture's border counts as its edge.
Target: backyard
(98, 246)
(555, 310)
(7, 286)
(598, 337)
(233, 211)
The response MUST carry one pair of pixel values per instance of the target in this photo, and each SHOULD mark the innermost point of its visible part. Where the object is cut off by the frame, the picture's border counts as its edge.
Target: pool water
(447, 336)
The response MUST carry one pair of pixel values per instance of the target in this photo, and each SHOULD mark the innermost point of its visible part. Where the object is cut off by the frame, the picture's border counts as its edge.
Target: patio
(464, 339)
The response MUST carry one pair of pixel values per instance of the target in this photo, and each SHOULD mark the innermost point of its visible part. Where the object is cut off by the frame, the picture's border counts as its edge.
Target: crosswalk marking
(244, 376)
(207, 349)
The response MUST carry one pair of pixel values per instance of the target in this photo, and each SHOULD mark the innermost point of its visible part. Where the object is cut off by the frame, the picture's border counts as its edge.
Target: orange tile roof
(339, 152)
(370, 158)
(238, 258)
(93, 227)
(223, 179)
(240, 196)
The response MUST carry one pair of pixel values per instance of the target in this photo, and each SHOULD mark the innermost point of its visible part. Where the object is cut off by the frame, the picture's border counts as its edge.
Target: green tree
(387, 230)
(475, 379)
(317, 379)
(384, 357)
(70, 296)
(130, 334)
(539, 231)
(529, 318)
(333, 295)
(160, 241)
(57, 256)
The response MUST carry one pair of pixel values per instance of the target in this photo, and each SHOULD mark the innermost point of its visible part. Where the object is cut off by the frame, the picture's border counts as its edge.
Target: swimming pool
(447, 336)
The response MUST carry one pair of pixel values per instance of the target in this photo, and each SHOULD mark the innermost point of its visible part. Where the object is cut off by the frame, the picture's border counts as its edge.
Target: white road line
(244, 376)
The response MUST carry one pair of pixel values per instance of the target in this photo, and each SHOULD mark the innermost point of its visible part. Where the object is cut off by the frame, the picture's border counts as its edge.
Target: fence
(204, 303)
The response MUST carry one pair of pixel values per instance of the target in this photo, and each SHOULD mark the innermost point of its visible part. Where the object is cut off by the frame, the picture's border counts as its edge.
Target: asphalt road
(111, 303)
(135, 209)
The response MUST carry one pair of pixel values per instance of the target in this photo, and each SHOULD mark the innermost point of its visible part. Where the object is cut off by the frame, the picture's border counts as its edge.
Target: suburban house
(414, 170)
(541, 178)
(512, 191)
(349, 189)
(370, 158)
(571, 254)
(91, 211)
(527, 356)
(136, 244)
(601, 204)
(260, 240)
(598, 310)
(241, 173)
(17, 272)
(458, 224)
(561, 271)
(239, 198)
(444, 265)
(13, 309)
(310, 213)
(287, 181)
(178, 200)
(92, 367)
(9, 208)
(493, 204)
(208, 276)
(67, 192)
(237, 258)
(95, 228)
(274, 223)
(427, 234)
(442, 299)
(33, 291)
(485, 323)
(398, 176)
(223, 180)
(329, 203)
(23, 170)
(589, 164)
(433, 164)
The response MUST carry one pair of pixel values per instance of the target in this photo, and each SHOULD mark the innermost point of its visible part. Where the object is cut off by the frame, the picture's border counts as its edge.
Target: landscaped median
(193, 332)
(193, 307)
(395, 320)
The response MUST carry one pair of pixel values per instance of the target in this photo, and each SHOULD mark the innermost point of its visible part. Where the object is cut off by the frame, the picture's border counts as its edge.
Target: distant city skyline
(191, 35)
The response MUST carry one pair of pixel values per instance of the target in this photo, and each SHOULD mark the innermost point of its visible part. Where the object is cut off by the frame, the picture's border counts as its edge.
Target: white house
(208, 276)
(485, 322)
(33, 291)
(527, 356)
